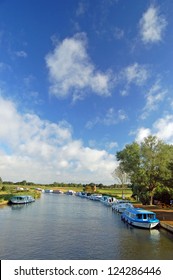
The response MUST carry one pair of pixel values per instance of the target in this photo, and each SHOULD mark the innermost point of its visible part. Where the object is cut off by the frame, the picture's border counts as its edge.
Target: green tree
(147, 163)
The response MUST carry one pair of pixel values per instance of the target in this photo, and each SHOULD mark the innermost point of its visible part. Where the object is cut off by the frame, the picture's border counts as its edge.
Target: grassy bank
(7, 191)
(116, 192)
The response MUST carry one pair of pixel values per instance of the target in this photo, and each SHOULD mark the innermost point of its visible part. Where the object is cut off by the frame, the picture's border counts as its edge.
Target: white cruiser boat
(96, 197)
(117, 203)
(108, 200)
(121, 207)
(21, 199)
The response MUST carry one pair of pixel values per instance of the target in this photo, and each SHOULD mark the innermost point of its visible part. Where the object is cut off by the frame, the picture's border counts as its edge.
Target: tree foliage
(149, 164)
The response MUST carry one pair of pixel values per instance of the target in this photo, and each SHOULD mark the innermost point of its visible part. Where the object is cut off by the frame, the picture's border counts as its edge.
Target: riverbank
(2, 203)
(165, 215)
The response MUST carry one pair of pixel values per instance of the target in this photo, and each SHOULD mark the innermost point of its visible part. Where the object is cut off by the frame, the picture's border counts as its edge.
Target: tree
(156, 157)
(122, 177)
(169, 178)
(147, 163)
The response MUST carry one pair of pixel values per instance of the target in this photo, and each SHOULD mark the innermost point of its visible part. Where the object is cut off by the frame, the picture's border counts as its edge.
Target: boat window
(151, 216)
(139, 216)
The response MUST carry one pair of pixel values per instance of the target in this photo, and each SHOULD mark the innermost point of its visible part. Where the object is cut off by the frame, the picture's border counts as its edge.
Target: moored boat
(57, 191)
(81, 194)
(121, 207)
(117, 203)
(139, 217)
(21, 199)
(48, 191)
(108, 200)
(70, 192)
(96, 197)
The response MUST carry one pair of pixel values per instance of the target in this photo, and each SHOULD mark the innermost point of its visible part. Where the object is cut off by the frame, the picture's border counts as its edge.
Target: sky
(79, 80)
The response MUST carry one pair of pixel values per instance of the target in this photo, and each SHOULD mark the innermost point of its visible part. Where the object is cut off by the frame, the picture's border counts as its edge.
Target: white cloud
(136, 74)
(72, 72)
(142, 133)
(154, 97)
(164, 128)
(37, 150)
(111, 117)
(9, 122)
(111, 145)
(152, 25)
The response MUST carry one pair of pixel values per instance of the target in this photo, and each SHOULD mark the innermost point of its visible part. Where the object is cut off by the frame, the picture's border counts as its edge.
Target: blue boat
(21, 199)
(139, 217)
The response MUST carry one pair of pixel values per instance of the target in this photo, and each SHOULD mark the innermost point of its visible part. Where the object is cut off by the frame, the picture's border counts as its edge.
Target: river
(65, 227)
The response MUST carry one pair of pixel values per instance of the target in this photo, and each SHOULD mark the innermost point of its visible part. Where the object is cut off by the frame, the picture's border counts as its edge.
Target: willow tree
(147, 163)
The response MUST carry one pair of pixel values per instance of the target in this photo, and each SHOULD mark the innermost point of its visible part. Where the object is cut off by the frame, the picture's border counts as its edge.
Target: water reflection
(155, 234)
(68, 227)
(18, 206)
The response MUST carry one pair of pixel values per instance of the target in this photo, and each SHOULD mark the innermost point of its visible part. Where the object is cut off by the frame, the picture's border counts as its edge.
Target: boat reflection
(18, 206)
(153, 234)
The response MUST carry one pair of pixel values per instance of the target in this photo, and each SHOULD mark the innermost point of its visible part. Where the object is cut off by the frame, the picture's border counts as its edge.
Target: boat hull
(148, 225)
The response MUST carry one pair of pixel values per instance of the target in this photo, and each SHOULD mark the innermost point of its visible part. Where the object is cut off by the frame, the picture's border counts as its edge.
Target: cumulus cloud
(142, 133)
(72, 72)
(152, 25)
(164, 128)
(38, 150)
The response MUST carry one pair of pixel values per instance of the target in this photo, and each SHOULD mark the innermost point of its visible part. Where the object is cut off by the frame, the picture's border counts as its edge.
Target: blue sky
(78, 81)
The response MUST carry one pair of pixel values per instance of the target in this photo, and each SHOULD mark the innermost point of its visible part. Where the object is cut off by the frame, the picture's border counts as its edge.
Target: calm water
(68, 227)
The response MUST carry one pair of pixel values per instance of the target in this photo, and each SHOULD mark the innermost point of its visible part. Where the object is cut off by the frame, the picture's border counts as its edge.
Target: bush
(5, 188)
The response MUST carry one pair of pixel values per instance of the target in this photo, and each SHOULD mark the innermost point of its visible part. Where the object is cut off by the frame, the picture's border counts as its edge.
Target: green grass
(115, 192)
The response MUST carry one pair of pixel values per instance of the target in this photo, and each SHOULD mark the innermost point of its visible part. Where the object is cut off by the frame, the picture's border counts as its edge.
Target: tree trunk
(151, 199)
